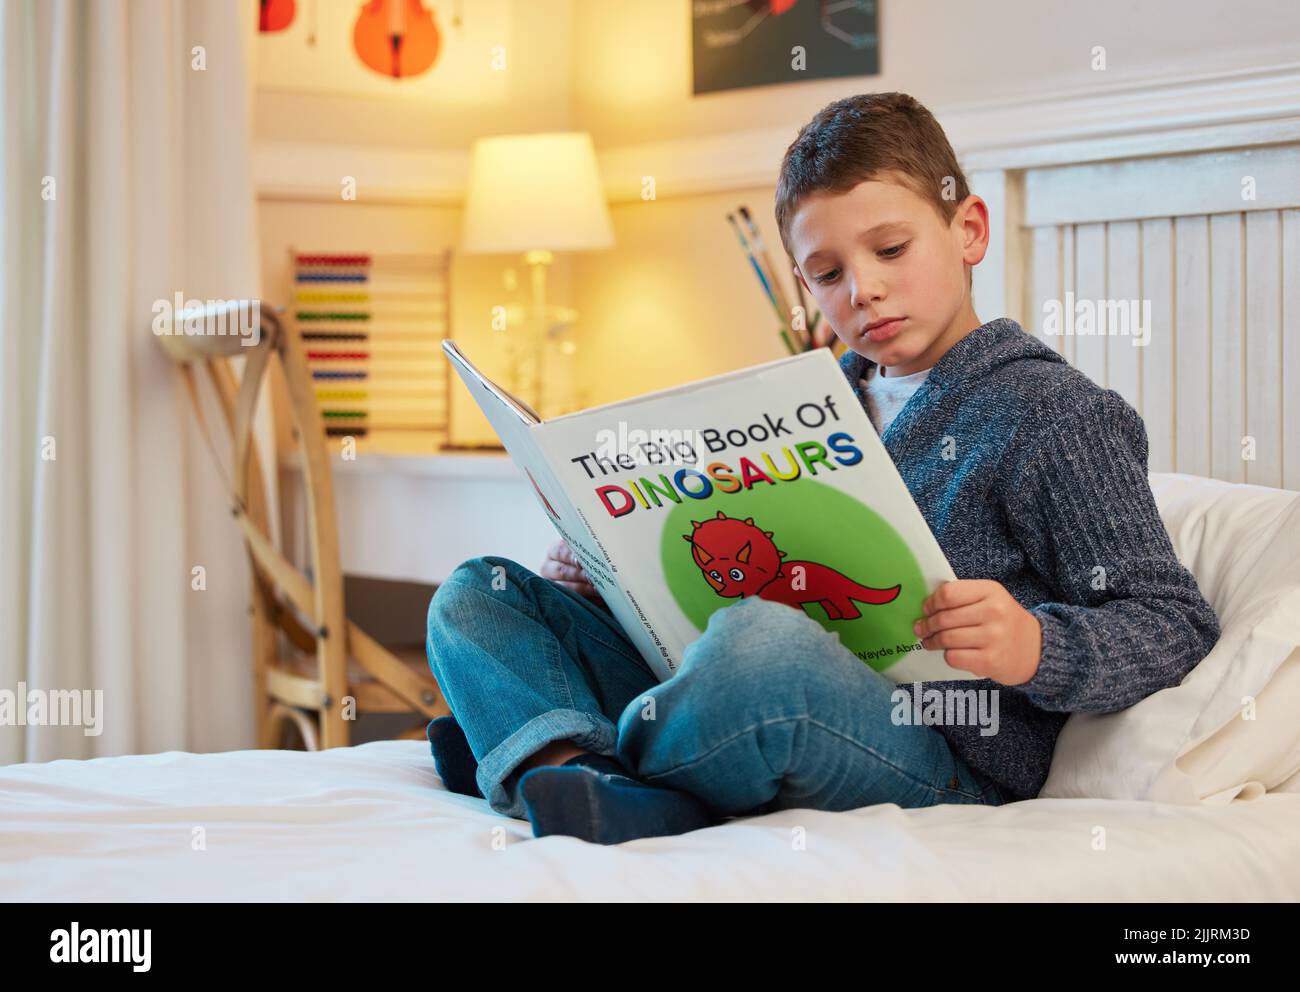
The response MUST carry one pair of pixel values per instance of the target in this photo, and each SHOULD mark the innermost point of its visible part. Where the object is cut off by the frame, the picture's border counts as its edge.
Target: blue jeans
(767, 711)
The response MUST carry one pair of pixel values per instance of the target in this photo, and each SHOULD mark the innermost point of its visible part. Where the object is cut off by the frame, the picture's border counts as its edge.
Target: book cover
(769, 481)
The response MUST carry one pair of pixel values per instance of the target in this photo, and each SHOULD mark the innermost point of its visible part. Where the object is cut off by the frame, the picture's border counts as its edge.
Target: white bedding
(374, 822)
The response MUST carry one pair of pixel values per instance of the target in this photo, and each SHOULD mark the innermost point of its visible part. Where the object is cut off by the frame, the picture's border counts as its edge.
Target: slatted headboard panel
(1218, 383)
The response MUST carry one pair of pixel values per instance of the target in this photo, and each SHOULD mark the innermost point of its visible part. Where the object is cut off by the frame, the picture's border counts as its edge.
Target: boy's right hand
(562, 566)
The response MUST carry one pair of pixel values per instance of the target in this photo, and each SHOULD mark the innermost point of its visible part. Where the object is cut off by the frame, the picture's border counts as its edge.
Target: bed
(372, 822)
(1177, 798)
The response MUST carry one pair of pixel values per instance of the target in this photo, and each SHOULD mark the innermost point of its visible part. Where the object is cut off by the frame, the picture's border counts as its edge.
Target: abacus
(371, 327)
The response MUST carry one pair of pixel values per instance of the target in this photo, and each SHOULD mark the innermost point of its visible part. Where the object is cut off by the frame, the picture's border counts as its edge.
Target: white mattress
(374, 823)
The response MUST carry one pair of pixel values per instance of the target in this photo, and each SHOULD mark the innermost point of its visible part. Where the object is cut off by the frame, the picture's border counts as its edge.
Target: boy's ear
(976, 229)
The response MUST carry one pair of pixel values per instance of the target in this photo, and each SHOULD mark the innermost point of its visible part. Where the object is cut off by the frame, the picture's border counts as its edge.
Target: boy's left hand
(980, 628)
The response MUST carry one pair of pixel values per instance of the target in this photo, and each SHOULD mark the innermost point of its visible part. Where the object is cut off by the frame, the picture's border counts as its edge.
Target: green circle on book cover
(843, 564)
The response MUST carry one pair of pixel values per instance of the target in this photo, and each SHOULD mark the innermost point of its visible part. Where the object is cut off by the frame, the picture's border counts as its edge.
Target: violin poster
(391, 49)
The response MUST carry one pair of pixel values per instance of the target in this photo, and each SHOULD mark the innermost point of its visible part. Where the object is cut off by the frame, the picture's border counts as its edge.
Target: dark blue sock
(452, 758)
(594, 798)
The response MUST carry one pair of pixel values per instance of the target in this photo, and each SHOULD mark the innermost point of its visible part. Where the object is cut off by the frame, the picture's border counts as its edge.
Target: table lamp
(536, 194)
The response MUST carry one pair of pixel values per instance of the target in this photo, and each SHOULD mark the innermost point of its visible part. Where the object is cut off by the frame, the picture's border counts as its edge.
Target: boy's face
(880, 251)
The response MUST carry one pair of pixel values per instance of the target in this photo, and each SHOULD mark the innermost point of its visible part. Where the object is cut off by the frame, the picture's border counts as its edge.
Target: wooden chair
(313, 669)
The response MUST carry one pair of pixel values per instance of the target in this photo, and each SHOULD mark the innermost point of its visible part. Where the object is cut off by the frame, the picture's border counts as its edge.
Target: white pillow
(1190, 744)
(1290, 785)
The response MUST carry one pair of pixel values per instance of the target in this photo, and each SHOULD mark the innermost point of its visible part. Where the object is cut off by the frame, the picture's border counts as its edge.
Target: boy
(1032, 478)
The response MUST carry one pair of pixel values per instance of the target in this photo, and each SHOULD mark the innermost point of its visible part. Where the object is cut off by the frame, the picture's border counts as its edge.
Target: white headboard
(1209, 236)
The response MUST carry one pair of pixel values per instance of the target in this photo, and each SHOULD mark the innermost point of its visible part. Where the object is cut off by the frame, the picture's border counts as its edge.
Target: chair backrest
(205, 341)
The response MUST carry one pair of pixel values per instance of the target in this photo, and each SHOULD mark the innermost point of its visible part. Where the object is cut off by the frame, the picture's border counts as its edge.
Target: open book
(770, 481)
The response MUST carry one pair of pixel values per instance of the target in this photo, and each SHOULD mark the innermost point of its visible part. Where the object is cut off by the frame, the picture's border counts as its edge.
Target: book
(769, 481)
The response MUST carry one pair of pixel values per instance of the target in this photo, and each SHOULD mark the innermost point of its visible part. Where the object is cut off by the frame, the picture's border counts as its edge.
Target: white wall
(633, 59)
(674, 299)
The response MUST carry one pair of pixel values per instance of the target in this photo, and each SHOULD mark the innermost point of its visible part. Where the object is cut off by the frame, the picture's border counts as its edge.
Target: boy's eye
(891, 252)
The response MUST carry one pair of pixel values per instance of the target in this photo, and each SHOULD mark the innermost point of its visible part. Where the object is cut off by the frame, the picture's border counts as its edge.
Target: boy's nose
(867, 291)
(867, 282)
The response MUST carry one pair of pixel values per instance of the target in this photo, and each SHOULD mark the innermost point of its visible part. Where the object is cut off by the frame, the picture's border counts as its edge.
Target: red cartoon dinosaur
(738, 558)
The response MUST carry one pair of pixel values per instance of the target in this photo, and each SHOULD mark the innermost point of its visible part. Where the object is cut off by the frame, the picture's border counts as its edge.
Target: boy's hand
(562, 566)
(980, 628)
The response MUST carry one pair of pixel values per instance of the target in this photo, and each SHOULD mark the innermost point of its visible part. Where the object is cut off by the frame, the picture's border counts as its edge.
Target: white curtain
(125, 177)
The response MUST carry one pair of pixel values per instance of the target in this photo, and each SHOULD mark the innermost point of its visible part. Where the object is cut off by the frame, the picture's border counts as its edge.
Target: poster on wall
(742, 43)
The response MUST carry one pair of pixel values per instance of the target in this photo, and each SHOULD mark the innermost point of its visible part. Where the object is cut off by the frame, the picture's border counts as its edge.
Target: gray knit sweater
(1044, 489)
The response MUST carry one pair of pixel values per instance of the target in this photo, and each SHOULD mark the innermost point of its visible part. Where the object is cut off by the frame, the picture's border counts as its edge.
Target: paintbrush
(756, 237)
(762, 278)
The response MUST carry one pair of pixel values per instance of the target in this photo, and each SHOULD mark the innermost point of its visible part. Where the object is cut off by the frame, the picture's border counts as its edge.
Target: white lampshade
(535, 191)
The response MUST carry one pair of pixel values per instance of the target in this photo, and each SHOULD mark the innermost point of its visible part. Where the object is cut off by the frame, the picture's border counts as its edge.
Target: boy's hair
(858, 138)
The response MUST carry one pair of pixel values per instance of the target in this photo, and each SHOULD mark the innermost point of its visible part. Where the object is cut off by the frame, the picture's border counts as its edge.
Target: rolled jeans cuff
(497, 765)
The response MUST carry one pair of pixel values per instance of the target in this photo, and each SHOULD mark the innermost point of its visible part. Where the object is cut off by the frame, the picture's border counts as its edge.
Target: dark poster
(739, 43)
